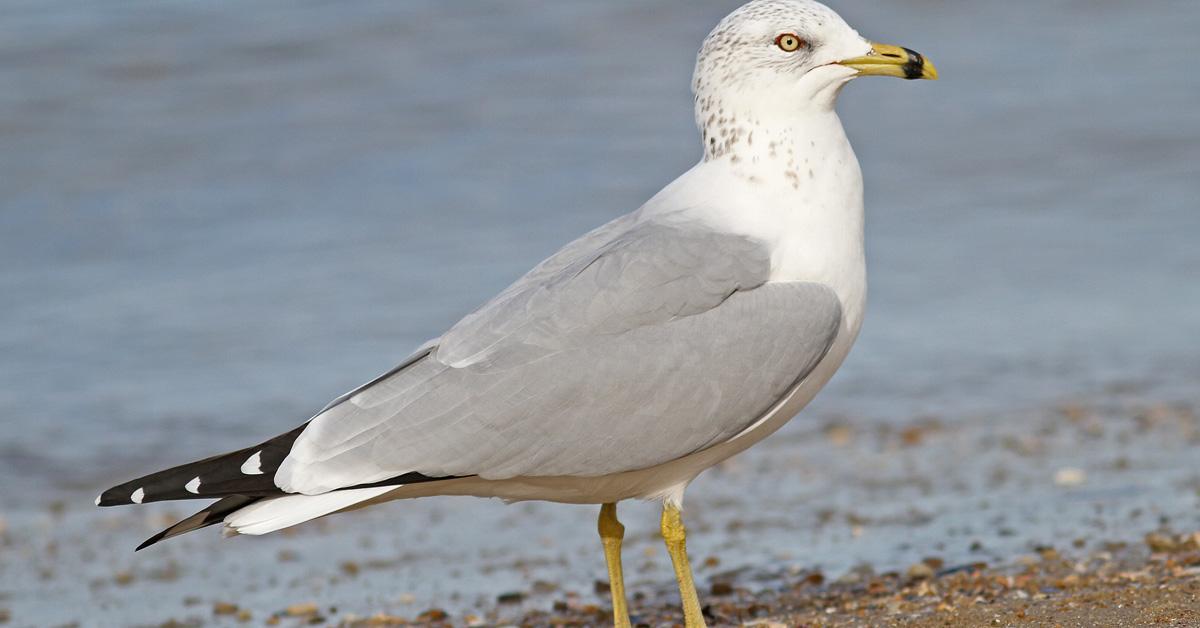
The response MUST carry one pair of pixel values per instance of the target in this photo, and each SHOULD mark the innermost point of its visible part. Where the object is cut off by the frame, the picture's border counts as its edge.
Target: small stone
(433, 614)
(224, 608)
(721, 588)
(244, 615)
(601, 587)
(350, 568)
(839, 434)
(543, 587)
(123, 578)
(301, 610)
(383, 619)
(1162, 543)
(912, 436)
(1070, 476)
(920, 571)
(513, 597)
(1028, 561)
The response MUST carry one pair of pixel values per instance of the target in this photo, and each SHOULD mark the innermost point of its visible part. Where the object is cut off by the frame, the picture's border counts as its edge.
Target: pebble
(920, 571)
(513, 597)
(1159, 542)
(224, 608)
(301, 610)
(1070, 476)
(433, 614)
(721, 588)
(838, 434)
(543, 587)
(383, 619)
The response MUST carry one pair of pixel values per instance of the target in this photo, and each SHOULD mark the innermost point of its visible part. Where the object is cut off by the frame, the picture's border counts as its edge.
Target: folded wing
(636, 345)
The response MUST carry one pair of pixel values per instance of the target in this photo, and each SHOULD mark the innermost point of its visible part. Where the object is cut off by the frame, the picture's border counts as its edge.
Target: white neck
(792, 181)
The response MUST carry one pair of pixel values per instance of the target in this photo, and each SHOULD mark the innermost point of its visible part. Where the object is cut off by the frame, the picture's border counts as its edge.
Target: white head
(785, 57)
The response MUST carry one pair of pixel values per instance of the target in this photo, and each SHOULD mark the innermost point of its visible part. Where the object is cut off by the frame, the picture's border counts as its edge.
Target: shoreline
(958, 516)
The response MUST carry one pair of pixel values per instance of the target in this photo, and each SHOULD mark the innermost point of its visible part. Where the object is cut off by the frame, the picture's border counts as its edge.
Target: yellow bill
(888, 60)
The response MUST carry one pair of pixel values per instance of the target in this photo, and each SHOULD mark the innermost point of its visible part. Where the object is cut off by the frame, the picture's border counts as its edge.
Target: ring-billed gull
(638, 355)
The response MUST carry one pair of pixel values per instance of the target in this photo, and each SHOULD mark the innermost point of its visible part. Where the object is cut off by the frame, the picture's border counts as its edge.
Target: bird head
(790, 55)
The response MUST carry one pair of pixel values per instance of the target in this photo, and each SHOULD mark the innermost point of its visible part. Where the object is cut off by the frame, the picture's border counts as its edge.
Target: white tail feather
(270, 515)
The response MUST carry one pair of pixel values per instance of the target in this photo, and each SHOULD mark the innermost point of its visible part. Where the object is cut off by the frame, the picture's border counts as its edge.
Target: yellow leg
(676, 536)
(611, 533)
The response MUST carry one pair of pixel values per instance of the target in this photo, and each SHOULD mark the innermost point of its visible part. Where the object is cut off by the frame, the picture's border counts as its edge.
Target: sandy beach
(1076, 514)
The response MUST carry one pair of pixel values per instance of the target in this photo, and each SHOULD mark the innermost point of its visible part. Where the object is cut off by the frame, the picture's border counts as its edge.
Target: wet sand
(1083, 513)
(1116, 586)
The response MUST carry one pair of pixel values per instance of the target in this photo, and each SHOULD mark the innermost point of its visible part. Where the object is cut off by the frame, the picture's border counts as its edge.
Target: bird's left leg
(611, 533)
(675, 536)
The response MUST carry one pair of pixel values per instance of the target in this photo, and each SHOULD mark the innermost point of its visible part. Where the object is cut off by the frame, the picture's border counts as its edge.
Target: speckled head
(783, 57)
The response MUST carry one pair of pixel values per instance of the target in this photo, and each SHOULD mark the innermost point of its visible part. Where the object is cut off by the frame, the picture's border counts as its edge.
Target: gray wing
(628, 349)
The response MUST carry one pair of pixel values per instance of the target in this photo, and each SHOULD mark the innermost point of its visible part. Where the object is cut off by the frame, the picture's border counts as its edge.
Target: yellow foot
(676, 538)
(611, 533)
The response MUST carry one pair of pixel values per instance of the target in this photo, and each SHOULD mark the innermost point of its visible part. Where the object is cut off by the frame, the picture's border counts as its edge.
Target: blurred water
(217, 216)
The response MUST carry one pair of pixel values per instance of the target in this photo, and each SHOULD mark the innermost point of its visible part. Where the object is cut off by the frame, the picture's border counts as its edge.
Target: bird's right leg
(611, 533)
(676, 538)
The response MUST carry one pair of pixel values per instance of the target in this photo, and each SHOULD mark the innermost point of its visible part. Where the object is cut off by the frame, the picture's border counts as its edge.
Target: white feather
(193, 485)
(283, 512)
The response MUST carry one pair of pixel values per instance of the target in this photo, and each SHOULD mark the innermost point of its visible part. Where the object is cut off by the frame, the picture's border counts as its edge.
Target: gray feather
(638, 344)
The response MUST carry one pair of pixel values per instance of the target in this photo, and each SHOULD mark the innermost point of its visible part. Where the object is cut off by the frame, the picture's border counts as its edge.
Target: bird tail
(277, 513)
(259, 515)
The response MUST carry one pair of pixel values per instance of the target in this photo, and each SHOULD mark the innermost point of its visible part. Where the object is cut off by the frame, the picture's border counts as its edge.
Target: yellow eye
(789, 42)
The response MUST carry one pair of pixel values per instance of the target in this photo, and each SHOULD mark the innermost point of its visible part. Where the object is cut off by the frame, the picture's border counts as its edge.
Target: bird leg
(675, 536)
(611, 533)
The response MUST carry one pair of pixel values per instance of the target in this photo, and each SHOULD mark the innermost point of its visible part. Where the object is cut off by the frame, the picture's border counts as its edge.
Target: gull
(638, 355)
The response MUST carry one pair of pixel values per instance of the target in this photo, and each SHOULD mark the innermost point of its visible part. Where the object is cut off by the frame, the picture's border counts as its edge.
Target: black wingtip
(215, 513)
(152, 540)
(112, 498)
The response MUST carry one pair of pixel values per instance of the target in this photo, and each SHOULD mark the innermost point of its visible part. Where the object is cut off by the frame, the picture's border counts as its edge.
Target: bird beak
(888, 60)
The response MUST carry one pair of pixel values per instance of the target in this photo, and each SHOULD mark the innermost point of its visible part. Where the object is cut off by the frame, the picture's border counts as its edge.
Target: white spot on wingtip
(193, 486)
(98, 499)
(253, 464)
(138, 496)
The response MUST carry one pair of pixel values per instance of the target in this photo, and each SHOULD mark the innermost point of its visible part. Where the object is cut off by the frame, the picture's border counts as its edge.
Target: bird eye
(789, 42)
